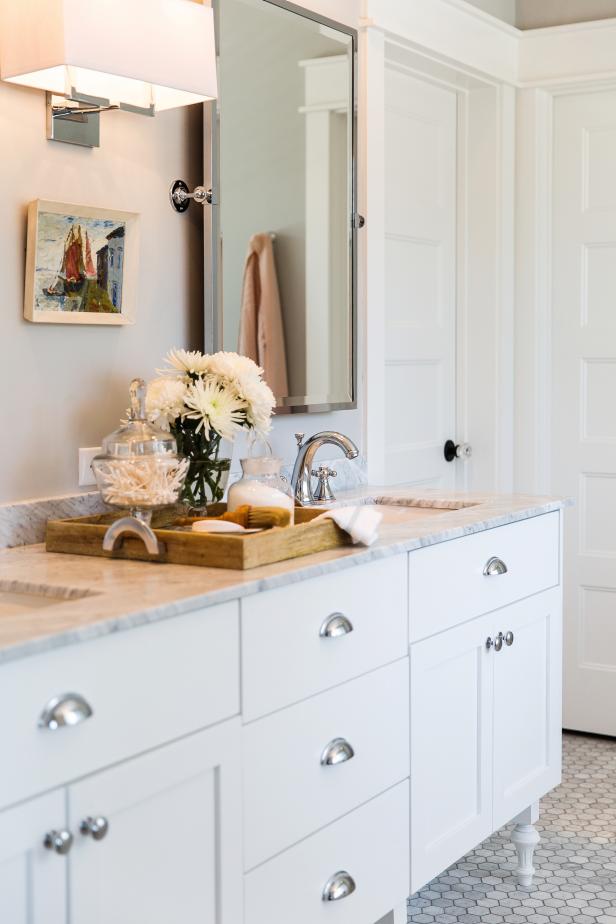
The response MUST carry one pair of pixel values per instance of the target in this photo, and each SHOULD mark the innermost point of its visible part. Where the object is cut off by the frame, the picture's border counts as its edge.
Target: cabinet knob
(58, 841)
(494, 566)
(335, 625)
(96, 827)
(68, 709)
(337, 751)
(339, 886)
(509, 638)
(497, 643)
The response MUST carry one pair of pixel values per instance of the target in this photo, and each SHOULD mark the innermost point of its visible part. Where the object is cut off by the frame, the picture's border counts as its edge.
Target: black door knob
(453, 451)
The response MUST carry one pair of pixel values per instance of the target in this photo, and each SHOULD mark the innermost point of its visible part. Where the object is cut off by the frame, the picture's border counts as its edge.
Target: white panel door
(451, 747)
(173, 848)
(583, 443)
(32, 878)
(420, 284)
(527, 704)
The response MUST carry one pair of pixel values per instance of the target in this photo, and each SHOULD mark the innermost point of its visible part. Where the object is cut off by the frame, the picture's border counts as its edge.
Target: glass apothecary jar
(139, 469)
(262, 485)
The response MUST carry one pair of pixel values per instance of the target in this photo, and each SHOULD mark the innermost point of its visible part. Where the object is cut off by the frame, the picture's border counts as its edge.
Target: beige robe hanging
(261, 334)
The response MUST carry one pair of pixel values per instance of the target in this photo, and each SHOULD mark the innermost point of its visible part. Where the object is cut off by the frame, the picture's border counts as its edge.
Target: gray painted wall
(66, 386)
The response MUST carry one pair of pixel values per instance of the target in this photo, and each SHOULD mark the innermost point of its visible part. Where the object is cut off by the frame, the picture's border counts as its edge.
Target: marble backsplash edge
(24, 522)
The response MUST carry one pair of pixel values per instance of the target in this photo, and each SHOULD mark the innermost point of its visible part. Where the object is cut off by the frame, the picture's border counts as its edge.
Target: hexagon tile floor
(575, 879)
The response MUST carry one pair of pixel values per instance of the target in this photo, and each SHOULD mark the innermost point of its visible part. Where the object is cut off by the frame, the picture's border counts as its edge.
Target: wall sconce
(95, 55)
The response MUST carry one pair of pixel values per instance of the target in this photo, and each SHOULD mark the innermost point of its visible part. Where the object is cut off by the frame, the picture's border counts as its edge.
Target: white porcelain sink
(18, 598)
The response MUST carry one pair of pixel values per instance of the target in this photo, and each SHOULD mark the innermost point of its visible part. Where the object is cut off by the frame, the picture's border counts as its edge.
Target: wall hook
(180, 195)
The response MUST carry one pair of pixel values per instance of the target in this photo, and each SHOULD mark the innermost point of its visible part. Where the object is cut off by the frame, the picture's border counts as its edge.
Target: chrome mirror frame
(213, 256)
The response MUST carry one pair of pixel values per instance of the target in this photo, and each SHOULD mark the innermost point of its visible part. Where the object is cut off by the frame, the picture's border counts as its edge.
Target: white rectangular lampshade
(137, 52)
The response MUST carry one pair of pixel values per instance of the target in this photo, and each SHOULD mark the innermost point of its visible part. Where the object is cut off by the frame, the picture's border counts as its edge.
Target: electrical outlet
(86, 475)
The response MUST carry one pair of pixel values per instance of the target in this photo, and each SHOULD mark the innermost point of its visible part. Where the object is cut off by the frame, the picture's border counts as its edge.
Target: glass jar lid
(138, 437)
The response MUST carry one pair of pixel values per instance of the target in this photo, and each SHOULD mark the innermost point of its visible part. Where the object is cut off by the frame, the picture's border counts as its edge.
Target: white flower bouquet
(204, 399)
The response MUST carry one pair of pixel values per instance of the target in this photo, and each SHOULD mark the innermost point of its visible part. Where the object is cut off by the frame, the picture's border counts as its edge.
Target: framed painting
(81, 264)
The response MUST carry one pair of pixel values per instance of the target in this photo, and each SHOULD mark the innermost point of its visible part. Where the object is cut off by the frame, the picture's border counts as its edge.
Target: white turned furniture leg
(525, 838)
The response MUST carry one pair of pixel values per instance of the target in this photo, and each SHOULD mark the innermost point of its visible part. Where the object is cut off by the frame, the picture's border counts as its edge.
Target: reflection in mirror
(285, 273)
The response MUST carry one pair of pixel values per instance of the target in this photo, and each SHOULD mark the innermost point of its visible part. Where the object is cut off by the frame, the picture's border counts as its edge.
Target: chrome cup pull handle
(337, 751)
(338, 886)
(335, 626)
(68, 709)
(495, 566)
(97, 827)
(58, 841)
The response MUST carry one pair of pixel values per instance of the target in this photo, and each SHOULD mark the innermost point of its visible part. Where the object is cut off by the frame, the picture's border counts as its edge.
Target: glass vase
(208, 472)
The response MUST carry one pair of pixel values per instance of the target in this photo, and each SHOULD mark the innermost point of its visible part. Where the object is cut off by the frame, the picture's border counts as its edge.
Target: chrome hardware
(498, 641)
(96, 827)
(494, 566)
(339, 886)
(509, 639)
(335, 625)
(299, 439)
(337, 751)
(65, 710)
(301, 481)
(453, 451)
(131, 526)
(489, 642)
(324, 492)
(75, 118)
(180, 196)
(58, 841)
(359, 221)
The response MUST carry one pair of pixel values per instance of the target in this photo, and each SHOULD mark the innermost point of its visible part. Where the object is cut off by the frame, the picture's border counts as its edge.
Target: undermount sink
(17, 598)
(408, 509)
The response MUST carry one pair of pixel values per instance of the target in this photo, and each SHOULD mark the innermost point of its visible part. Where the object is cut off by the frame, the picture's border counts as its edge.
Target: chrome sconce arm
(180, 196)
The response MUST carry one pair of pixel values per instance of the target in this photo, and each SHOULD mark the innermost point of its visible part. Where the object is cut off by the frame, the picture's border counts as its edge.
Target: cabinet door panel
(32, 879)
(173, 848)
(527, 705)
(451, 747)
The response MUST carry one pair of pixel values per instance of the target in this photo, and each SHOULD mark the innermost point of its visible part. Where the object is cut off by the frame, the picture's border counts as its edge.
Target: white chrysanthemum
(215, 407)
(188, 361)
(245, 376)
(165, 401)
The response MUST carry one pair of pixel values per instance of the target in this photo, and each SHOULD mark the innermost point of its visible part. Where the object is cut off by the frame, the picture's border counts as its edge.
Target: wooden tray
(84, 536)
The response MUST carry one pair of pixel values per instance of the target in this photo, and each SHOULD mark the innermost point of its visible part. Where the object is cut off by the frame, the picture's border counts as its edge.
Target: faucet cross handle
(299, 438)
(324, 492)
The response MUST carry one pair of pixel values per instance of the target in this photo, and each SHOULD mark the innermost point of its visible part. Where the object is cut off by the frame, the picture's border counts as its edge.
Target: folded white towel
(361, 523)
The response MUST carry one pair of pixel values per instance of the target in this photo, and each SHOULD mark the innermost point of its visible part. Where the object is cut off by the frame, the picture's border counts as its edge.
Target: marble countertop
(97, 596)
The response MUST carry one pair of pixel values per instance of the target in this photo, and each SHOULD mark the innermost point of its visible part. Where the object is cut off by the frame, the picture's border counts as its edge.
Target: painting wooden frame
(67, 295)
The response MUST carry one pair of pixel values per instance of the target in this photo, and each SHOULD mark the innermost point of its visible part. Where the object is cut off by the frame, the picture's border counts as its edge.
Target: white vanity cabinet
(315, 752)
(486, 693)
(32, 884)
(137, 828)
(173, 843)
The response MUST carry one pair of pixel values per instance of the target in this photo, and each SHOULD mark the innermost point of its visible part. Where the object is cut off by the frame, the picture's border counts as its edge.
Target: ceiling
(535, 14)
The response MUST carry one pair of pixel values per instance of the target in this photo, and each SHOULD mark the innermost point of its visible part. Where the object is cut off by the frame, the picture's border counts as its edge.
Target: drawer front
(292, 787)
(447, 584)
(145, 687)
(371, 845)
(285, 659)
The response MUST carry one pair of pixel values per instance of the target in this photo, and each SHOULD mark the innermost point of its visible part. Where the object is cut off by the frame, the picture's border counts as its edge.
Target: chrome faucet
(301, 481)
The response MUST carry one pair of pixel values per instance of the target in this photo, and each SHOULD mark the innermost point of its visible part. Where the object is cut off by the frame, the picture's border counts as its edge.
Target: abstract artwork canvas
(81, 264)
